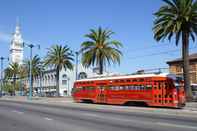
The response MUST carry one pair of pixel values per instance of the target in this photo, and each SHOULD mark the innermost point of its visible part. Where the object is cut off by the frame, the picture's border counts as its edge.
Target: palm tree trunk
(57, 81)
(186, 68)
(101, 67)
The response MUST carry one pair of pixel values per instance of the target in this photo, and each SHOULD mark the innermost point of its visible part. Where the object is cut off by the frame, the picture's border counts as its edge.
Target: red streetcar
(164, 90)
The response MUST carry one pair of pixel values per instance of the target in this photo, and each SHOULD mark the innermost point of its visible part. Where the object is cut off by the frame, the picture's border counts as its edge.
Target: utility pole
(31, 46)
(30, 73)
(2, 59)
(68, 80)
(76, 73)
(40, 84)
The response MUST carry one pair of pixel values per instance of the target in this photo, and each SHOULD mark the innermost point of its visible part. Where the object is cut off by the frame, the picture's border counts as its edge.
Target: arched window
(82, 75)
(64, 76)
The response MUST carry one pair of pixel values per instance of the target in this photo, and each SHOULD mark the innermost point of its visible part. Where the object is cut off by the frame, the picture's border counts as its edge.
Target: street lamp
(2, 59)
(76, 71)
(31, 46)
(68, 80)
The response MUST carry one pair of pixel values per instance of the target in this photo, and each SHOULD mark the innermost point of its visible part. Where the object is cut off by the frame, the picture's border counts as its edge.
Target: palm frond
(99, 49)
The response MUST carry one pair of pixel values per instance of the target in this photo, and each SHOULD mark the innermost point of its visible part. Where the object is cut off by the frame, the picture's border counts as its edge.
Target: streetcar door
(101, 97)
(162, 92)
(159, 93)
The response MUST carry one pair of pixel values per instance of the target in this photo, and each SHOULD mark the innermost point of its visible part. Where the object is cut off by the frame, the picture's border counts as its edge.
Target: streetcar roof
(172, 76)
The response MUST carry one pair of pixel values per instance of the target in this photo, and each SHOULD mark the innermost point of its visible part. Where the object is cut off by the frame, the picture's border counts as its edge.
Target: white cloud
(5, 37)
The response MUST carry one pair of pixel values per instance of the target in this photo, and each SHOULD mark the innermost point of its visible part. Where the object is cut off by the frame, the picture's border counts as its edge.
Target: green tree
(99, 50)
(12, 73)
(60, 57)
(178, 18)
(8, 87)
(37, 67)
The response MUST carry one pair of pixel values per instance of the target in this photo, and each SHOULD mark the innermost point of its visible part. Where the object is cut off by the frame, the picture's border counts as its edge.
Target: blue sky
(48, 22)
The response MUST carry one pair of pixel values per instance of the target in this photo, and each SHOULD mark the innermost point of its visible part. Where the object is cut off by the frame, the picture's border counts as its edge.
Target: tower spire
(17, 30)
(16, 47)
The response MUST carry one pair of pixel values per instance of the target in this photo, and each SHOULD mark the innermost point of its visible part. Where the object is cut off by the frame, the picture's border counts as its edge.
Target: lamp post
(68, 80)
(31, 46)
(76, 71)
(2, 59)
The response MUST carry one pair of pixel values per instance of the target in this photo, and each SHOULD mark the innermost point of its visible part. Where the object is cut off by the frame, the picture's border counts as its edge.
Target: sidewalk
(39, 99)
(67, 102)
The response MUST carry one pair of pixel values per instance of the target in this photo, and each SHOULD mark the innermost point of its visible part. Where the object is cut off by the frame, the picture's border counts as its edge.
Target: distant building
(16, 47)
(176, 67)
(47, 83)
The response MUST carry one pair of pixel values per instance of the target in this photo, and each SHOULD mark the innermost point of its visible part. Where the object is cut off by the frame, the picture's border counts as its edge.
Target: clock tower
(16, 47)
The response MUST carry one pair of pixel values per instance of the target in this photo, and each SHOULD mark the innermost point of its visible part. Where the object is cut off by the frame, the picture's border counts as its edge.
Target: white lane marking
(18, 112)
(91, 114)
(176, 125)
(48, 119)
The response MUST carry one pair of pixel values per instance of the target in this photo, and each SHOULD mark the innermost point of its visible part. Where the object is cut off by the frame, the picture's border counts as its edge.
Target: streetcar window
(142, 87)
(116, 88)
(148, 87)
(134, 80)
(122, 81)
(129, 87)
(178, 81)
(159, 86)
(128, 80)
(84, 88)
(125, 87)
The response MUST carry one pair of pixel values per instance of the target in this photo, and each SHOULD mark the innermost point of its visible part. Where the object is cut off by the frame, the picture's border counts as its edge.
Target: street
(32, 117)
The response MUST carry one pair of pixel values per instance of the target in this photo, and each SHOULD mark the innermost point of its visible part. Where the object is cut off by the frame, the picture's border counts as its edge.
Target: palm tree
(12, 73)
(60, 57)
(37, 67)
(99, 50)
(178, 18)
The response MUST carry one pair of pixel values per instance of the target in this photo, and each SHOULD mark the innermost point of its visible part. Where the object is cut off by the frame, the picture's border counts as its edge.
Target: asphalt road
(32, 117)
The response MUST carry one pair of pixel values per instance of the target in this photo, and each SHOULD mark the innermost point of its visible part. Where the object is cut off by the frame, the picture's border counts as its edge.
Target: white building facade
(46, 85)
(16, 47)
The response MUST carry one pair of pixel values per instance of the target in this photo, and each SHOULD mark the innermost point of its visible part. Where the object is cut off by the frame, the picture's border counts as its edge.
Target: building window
(64, 82)
(193, 67)
(193, 78)
(64, 76)
(82, 75)
(178, 69)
